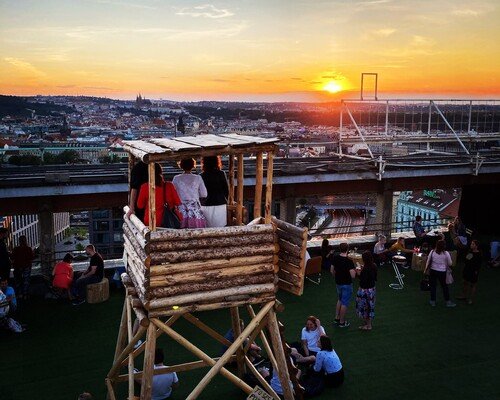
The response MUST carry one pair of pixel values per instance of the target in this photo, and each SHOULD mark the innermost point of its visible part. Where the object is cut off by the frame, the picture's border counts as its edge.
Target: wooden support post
(130, 356)
(259, 174)
(199, 353)
(115, 369)
(152, 197)
(231, 180)
(239, 205)
(268, 308)
(236, 325)
(205, 328)
(269, 187)
(280, 356)
(111, 390)
(149, 359)
(122, 332)
(265, 342)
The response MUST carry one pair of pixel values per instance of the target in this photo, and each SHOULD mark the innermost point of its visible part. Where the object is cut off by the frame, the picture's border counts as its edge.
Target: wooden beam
(149, 359)
(269, 187)
(205, 328)
(130, 356)
(236, 326)
(261, 380)
(231, 180)
(265, 342)
(259, 175)
(152, 197)
(239, 205)
(125, 352)
(280, 356)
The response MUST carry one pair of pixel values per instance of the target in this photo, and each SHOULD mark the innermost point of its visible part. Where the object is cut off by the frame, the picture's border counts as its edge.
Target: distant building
(106, 232)
(434, 206)
(28, 226)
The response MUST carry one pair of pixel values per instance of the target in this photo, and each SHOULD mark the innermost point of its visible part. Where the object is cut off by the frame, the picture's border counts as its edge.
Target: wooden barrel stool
(98, 292)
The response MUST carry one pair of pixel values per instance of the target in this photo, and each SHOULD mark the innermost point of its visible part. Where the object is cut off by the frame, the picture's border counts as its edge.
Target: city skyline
(249, 51)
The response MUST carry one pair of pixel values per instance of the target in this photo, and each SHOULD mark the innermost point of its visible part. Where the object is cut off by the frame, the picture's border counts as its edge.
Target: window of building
(101, 214)
(118, 225)
(101, 225)
(117, 238)
(102, 238)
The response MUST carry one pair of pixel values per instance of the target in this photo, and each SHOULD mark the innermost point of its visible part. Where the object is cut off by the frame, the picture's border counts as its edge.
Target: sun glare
(332, 87)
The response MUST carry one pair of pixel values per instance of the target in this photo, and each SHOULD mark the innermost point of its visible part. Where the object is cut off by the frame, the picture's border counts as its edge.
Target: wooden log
(291, 278)
(206, 296)
(291, 237)
(231, 179)
(228, 231)
(207, 286)
(132, 257)
(293, 268)
(121, 341)
(267, 387)
(175, 268)
(250, 239)
(205, 328)
(210, 306)
(111, 390)
(125, 352)
(126, 280)
(149, 358)
(136, 222)
(239, 203)
(256, 221)
(138, 235)
(236, 327)
(292, 249)
(263, 338)
(139, 311)
(152, 197)
(269, 187)
(259, 175)
(288, 258)
(130, 356)
(290, 287)
(280, 355)
(189, 366)
(291, 229)
(135, 236)
(211, 254)
(205, 357)
(135, 250)
(210, 275)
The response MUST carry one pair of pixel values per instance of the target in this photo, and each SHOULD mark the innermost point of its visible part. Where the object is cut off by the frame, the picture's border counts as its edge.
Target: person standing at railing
(190, 188)
(22, 258)
(138, 176)
(214, 206)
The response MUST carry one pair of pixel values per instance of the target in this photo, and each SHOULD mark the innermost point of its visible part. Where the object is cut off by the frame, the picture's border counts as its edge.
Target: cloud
(66, 86)
(205, 11)
(124, 4)
(333, 76)
(298, 79)
(25, 67)
(384, 32)
(422, 41)
(222, 80)
(100, 88)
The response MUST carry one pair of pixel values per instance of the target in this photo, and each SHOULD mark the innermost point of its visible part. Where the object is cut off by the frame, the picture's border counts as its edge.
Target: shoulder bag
(170, 218)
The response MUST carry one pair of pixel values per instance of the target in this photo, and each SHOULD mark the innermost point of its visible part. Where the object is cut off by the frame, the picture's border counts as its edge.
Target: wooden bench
(98, 292)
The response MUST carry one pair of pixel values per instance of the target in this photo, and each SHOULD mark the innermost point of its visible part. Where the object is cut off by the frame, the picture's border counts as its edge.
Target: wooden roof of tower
(153, 150)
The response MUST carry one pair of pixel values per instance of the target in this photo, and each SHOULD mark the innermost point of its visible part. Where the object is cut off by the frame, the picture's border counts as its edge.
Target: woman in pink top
(438, 261)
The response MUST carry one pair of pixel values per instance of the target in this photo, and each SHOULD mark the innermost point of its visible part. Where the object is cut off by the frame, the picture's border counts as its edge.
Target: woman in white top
(379, 250)
(190, 188)
(310, 336)
(438, 262)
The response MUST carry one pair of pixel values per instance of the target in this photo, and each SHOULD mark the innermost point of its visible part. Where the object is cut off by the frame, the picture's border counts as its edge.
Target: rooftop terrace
(413, 351)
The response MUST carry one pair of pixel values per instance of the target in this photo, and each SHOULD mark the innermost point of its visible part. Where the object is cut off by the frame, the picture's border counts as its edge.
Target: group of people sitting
(198, 201)
(73, 285)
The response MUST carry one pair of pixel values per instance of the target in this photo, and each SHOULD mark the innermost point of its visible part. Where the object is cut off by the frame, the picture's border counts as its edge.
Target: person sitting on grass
(5, 321)
(63, 275)
(473, 261)
(163, 384)
(310, 335)
(10, 295)
(328, 363)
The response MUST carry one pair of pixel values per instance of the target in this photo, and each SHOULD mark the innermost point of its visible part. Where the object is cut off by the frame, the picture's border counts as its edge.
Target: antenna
(362, 82)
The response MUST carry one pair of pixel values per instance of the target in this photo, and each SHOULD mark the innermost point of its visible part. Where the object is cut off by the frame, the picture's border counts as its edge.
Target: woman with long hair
(326, 252)
(438, 262)
(473, 261)
(311, 333)
(365, 297)
(190, 188)
(164, 193)
(214, 207)
(328, 363)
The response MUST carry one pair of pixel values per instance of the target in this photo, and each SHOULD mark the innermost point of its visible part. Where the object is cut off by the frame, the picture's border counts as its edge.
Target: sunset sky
(265, 50)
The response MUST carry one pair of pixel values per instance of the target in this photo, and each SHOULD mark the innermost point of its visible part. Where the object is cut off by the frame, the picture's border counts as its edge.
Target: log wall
(292, 242)
(175, 271)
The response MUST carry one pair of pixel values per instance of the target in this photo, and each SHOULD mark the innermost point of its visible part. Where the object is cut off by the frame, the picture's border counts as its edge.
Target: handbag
(449, 276)
(170, 219)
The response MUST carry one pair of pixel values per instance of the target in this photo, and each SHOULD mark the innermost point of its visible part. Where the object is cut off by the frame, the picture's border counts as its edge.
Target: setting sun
(333, 87)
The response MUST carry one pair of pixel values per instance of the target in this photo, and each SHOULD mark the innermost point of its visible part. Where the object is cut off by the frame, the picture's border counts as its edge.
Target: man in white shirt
(164, 383)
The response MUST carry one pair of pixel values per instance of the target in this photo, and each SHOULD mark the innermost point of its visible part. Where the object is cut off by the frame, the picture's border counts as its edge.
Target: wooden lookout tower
(172, 274)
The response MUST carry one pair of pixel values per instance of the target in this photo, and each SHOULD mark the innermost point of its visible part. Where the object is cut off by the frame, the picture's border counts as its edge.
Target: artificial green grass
(413, 352)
